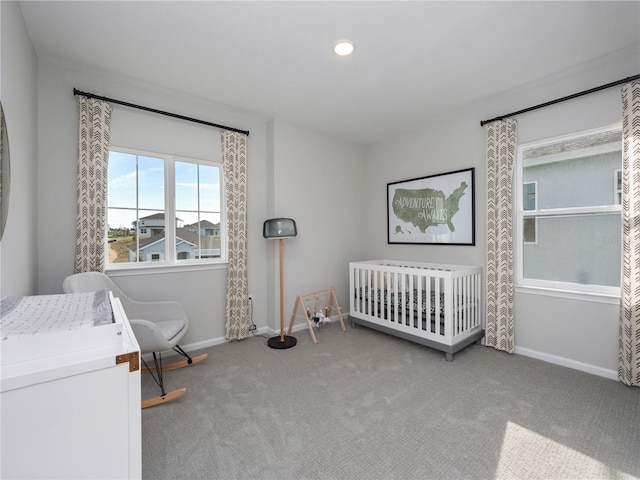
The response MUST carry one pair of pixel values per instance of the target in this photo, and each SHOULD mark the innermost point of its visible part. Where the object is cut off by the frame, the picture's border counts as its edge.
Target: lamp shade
(279, 228)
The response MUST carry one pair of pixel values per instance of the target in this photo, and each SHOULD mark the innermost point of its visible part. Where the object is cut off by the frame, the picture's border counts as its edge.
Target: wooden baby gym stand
(331, 302)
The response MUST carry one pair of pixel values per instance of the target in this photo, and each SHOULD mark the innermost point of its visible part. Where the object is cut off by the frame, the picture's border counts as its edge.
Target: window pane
(582, 249)
(198, 239)
(186, 186)
(192, 246)
(121, 235)
(150, 244)
(209, 188)
(529, 229)
(151, 183)
(135, 214)
(529, 196)
(198, 199)
(133, 239)
(575, 172)
(122, 180)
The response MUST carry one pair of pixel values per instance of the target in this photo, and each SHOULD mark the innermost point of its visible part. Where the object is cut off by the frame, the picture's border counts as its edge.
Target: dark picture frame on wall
(433, 210)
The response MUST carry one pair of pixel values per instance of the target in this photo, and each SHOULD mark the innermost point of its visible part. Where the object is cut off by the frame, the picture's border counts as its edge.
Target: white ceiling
(413, 60)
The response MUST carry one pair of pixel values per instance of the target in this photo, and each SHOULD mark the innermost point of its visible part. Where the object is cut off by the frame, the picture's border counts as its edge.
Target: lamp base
(289, 341)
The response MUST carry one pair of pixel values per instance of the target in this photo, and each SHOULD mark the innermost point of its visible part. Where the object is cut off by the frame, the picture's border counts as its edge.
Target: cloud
(123, 181)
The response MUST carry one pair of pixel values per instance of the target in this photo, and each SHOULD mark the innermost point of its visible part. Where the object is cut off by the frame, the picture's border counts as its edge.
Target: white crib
(436, 305)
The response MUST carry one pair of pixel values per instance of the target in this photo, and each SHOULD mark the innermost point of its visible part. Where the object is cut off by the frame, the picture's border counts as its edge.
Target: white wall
(575, 333)
(201, 291)
(18, 91)
(318, 181)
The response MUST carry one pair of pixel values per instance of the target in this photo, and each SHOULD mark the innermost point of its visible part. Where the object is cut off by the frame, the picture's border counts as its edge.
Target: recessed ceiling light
(344, 47)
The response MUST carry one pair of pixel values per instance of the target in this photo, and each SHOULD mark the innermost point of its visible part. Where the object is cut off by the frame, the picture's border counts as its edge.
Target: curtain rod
(568, 97)
(161, 112)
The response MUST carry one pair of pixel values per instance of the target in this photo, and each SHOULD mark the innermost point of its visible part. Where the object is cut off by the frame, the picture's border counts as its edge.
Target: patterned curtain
(91, 188)
(234, 155)
(501, 151)
(629, 329)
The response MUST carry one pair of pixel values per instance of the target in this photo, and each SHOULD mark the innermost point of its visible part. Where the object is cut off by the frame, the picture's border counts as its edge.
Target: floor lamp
(280, 228)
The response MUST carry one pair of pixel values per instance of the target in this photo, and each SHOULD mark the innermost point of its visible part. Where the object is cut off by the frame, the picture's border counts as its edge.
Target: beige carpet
(365, 405)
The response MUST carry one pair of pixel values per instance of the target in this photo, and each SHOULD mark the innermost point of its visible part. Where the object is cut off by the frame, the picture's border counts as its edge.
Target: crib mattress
(383, 297)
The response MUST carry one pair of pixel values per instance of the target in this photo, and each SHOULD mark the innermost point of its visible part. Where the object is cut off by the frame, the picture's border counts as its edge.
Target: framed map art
(439, 209)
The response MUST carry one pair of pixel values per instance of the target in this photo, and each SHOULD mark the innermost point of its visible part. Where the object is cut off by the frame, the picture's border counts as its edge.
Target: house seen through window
(569, 214)
(163, 209)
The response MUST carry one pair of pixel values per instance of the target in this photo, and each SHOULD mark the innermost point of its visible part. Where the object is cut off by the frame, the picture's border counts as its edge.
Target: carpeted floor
(365, 405)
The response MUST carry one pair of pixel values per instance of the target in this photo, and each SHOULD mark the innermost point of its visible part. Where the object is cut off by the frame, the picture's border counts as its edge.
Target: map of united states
(427, 207)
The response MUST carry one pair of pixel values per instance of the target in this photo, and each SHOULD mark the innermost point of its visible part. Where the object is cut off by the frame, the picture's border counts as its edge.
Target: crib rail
(439, 302)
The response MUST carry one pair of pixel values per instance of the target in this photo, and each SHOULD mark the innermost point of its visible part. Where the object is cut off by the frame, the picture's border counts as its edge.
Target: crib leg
(448, 356)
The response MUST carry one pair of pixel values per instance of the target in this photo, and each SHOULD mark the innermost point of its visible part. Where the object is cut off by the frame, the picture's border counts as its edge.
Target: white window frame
(597, 293)
(169, 260)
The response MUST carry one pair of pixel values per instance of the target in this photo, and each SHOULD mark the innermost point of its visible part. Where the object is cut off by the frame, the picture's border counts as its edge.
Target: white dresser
(70, 399)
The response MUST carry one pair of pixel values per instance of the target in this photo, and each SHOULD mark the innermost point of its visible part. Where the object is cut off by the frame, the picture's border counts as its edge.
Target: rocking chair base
(177, 365)
(153, 401)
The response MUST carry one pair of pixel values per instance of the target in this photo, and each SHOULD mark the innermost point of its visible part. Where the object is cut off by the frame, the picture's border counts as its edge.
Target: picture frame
(433, 210)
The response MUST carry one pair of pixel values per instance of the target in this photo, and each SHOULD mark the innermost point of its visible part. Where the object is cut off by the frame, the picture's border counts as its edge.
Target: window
(163, 209)
(568, 222)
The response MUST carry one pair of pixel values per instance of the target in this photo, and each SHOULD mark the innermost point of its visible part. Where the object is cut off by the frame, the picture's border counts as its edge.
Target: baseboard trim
(526, 352)
(264, 331)
(212, 342)
(566, 362)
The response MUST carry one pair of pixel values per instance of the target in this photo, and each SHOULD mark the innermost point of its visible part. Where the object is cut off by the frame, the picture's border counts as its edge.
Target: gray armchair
(157, 326)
